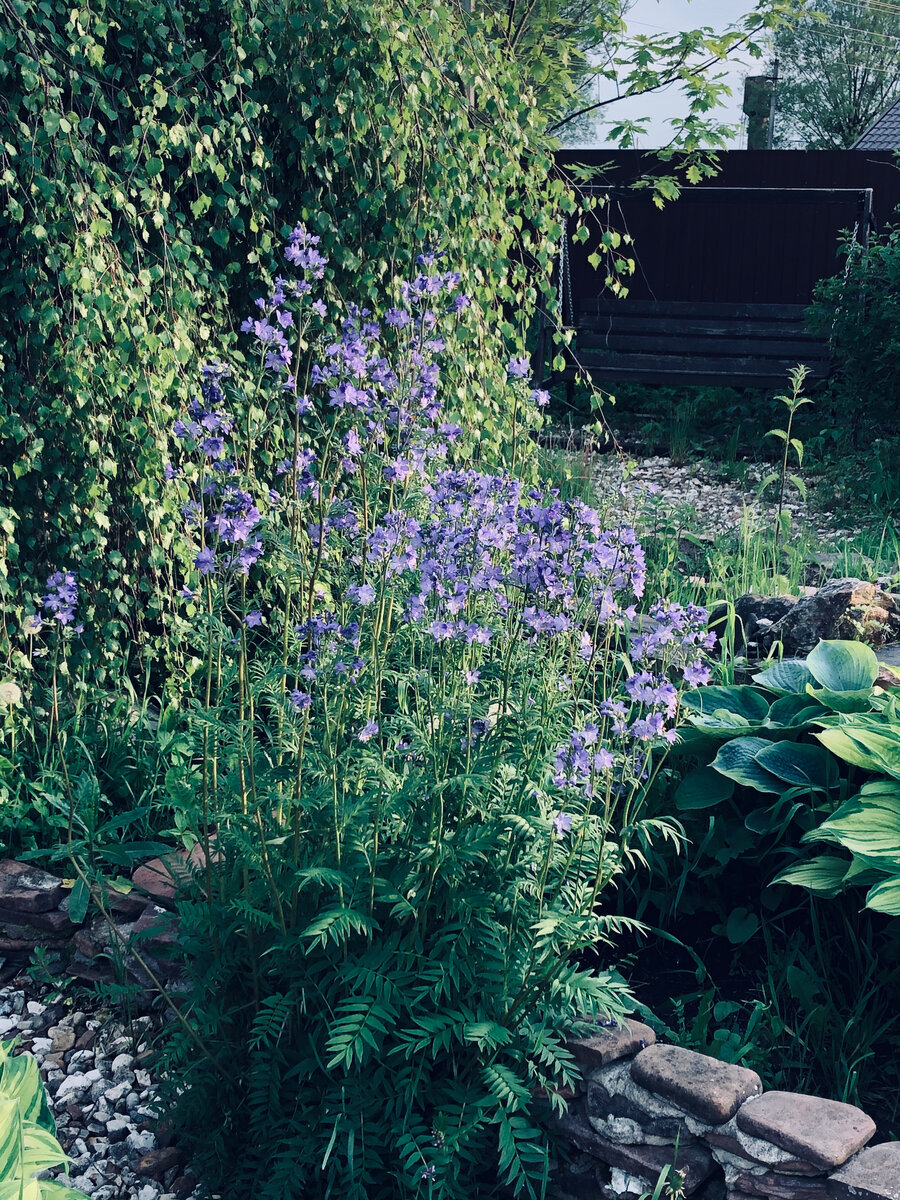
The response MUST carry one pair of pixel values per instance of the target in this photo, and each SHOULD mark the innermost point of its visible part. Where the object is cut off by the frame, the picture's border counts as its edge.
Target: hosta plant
(28, 1142)
(813, 739)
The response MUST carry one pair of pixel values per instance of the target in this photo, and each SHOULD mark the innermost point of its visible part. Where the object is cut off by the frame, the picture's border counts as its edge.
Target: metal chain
(568, 262)
(560, 279)
(564, 281)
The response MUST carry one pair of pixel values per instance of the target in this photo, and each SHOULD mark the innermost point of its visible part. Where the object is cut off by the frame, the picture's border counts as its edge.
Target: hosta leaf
(21, 1081)
(825, 875)
(723, 724)
(800, 764)
(702, 788)
(737, 761)
(10, 1120)
(885, 897)
(871, 749)
(843, 702)
(789, 676)
(747, 702)
(793, 712)
(40, 1149)
(843, 666)
(31, 1189)
(868, 826)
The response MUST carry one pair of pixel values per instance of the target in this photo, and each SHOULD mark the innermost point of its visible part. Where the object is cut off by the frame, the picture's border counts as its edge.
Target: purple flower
(205, 561)
(540, 397)
(472, 677)
(367, 732)
(35, 624)
(518, 368)
(696, 674)
(562, 822)
(362, 594)
(62, 596)
(253, 619)
(186, 593)
(300, 700)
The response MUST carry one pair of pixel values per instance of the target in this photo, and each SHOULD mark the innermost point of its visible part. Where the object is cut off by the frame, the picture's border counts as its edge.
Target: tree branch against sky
(582, 59)
(840, 69)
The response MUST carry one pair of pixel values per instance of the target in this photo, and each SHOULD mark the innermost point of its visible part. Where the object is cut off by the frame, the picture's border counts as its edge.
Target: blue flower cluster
(616, 751)
(479, 561)
(486, 541)
(677, 633)
(226, 514)
(59, 602)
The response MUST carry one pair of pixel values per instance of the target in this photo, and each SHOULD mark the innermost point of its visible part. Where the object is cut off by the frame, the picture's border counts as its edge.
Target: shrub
(418, 738)
(145, 152)
(858, 310)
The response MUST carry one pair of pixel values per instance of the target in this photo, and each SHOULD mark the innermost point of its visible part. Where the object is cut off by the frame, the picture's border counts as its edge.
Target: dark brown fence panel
(752, 242)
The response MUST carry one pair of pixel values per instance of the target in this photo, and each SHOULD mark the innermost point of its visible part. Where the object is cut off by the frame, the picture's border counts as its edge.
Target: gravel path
(706, 505)
(102, 1099)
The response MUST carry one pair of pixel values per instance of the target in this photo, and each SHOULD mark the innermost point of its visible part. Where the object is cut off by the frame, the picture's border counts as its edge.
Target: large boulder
(846, 609)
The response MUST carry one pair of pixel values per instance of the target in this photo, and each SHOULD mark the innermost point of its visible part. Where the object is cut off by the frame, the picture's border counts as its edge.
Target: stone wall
(645, 1106)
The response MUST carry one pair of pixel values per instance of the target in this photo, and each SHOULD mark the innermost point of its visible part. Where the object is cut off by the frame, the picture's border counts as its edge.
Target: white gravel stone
(72, 1087)
(141, 1141)
(697, 501)
(117, 1129)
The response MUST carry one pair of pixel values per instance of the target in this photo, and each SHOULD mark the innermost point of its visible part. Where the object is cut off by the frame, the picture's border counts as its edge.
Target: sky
(671, 16)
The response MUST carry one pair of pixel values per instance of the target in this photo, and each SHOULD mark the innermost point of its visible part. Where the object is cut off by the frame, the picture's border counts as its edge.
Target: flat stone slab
(703, 1086)
(694, 1163)
(163, 877)
(53, 920)
(874, 1174)
(771, 1186)
(621, 1111)
(26, 889)
(823, 1132)
(755, 1152)
(611, 1042)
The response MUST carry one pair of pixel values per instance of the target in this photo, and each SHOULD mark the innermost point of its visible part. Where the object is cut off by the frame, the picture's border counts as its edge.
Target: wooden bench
(672, 342)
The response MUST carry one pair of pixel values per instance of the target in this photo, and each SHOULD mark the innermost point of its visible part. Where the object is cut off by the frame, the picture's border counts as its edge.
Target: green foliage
(830, 698)
(858, 310)
(836, 72)
(28, 1142)
(149, 154)
(792, 402)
